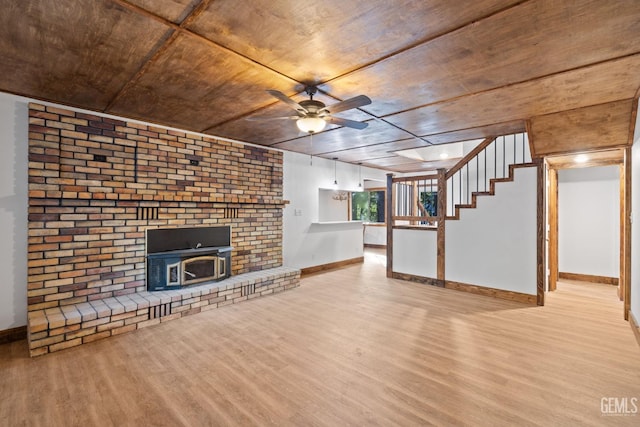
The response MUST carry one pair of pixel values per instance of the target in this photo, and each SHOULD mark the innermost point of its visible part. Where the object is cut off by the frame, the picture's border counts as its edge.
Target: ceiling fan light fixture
(311, 124)
(312, 115)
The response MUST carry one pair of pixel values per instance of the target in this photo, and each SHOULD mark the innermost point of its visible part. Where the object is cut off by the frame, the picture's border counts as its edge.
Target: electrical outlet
(297, 212)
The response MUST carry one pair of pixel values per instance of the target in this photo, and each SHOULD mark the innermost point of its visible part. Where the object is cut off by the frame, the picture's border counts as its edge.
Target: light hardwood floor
(348, 347)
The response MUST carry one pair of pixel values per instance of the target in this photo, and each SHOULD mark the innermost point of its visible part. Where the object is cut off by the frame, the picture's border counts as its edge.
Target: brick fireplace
(96, 184)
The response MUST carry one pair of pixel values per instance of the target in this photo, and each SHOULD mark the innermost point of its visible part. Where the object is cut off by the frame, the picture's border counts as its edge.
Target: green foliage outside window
(367, 206)
(429, 200)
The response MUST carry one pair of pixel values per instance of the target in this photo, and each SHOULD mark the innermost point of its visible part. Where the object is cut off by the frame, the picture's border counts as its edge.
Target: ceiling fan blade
(346, 122)
(355, 102)
(264, 118)
(284, 98)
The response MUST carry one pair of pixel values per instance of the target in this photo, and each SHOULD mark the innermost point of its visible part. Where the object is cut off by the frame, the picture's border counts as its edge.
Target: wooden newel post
(389, 220)
(441, 214)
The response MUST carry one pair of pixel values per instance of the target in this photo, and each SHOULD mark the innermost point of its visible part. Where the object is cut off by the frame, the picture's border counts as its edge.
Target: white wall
(589, 221)
(331, 209)
(13, 210)
(494, 245)
(305, 242)
(375, 235)
(416, 252)
(635, 226)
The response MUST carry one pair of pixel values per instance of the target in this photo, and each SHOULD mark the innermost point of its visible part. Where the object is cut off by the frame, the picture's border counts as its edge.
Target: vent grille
(159, 310)
(230, 213)
(248, 290)
(146, 213)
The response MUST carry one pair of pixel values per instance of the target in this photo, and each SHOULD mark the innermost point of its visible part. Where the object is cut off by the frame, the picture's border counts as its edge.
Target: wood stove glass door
(199, 269)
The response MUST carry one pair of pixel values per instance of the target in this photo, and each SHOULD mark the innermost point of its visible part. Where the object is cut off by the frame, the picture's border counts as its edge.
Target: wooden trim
(492, 292)
(541, 231)
(553, 229)
(13, 334)
(389, 219)
(469, 156)
(589, 278)
(415, 178)
(418, 279)
(632, 121)
(415, 227)
(587, 164)
(532, 146)
(442, 213)
(621, 225)
(600, 157)
(375, 224)
(625, 273)
(634, 327)
(330, 266)
(372, 246)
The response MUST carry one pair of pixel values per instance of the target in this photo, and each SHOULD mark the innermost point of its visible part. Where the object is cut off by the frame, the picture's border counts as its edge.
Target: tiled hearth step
(67, 326)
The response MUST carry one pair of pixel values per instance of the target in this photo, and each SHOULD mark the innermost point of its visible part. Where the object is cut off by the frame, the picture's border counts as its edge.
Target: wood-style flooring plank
(349, 347)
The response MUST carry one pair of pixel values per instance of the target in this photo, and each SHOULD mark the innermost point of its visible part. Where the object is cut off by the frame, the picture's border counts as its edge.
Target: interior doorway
(559, 165)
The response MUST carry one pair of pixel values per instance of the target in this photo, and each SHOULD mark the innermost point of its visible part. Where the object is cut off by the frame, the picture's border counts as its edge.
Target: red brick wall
(86, 225)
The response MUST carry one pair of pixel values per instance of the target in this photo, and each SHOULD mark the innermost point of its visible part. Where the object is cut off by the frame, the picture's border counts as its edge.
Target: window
(429, 200)
(367, 206)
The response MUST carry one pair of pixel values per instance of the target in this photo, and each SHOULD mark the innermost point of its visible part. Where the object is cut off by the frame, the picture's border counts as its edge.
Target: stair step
(507, 179)
(491, 189)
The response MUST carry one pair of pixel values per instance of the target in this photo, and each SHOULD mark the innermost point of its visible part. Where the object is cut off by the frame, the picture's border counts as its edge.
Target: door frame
(620, 157)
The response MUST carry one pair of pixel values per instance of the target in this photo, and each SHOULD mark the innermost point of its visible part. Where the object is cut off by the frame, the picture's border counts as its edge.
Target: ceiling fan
(312, 116)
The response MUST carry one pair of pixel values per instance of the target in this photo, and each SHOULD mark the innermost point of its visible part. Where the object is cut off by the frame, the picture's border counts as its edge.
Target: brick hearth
(97, 183)
(67, 326)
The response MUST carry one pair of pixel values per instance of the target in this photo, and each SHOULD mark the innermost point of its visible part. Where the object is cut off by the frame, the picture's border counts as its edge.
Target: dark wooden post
(541, 231)
(442, 214)
(389, 219)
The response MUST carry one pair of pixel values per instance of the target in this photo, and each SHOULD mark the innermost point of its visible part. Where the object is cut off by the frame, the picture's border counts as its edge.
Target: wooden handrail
(415, 178)
(469, 156)
(415, 218)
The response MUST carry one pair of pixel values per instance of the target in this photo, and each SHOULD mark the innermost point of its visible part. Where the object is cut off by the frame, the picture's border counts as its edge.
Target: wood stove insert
(178, 257)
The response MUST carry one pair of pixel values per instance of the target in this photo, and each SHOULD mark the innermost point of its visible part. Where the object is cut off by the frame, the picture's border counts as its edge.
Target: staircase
(493, 160)
(417, 201)
(480, 255)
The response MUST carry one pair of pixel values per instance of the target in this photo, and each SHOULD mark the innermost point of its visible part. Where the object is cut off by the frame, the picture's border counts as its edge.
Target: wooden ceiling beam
(594, 158)
(595, 127)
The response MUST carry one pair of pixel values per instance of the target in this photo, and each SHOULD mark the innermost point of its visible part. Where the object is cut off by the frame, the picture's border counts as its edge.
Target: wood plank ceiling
(438, 71)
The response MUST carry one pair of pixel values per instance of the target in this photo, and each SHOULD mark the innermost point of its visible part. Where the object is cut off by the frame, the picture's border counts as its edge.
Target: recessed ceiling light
(444, 155)
(581, 158)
